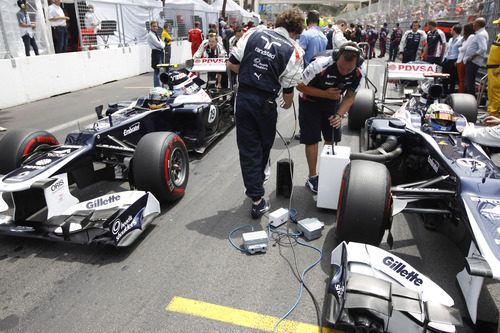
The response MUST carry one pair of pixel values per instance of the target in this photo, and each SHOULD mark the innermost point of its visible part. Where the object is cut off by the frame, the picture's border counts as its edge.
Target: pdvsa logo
(416, 68)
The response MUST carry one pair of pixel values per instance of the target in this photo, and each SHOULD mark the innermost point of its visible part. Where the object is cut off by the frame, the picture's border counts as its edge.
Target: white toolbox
(331, 169)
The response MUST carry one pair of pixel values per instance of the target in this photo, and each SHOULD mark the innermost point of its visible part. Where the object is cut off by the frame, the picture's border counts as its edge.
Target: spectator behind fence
(195, 37)
(157, 47)
(165, 37)
(462, 48)
(26, 28)
(58, 22)
(91, 20)
(476, 54)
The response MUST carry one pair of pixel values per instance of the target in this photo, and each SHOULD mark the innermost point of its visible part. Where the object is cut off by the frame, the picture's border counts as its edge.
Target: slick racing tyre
(465, 104)
(364, 208)
(19, 144)
(362, 109)
(161, 165)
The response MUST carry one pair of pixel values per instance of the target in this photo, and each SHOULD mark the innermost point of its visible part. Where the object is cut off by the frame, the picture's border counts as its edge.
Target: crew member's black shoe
(259, 209)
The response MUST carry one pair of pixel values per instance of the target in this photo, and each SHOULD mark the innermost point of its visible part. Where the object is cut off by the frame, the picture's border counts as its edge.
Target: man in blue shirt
(450, 59)
(476, 54)
(313, 41)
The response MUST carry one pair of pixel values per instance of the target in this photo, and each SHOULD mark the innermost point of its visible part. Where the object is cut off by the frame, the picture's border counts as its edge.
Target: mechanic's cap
(496, 21)
(158, 97)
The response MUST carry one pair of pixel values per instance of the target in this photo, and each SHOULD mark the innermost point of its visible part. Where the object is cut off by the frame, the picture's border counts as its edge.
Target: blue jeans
(61, 39)
(470, 77)
(156, 78)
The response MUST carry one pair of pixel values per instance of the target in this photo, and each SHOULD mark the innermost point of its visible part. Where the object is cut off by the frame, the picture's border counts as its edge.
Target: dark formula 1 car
(42, 184)
(407, 165)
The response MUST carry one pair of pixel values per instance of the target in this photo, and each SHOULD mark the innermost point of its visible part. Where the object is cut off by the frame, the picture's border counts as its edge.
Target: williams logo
(399, 268)
(133, 128)
(269, 44)
(103, 202)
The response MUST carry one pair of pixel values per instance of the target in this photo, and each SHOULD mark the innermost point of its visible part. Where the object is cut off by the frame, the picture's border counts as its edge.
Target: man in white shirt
(57, 21)
(26, 27)
(476, 54)
(338, 39)
(157, 46)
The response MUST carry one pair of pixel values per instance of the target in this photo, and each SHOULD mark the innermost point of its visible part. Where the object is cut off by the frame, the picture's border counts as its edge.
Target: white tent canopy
(197, 5)
(231, 8)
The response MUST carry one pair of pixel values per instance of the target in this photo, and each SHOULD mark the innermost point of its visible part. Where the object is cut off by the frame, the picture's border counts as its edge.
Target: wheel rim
(178, 167)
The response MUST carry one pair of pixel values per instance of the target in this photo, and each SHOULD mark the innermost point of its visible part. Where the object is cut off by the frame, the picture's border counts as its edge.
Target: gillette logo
(102, 202)
(399, 268)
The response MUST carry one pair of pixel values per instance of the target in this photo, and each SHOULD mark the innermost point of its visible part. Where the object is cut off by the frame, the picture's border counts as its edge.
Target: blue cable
(293, 214)
(301, 277)
(231, 241)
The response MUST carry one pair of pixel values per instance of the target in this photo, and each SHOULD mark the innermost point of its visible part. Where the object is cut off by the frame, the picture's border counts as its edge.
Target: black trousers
(256, 116)
(61, 41)
(470, 77)
(393, 51)
(27, 40)
(450, 68)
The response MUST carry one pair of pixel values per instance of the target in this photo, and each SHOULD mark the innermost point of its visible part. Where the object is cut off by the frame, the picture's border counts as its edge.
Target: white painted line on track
(75, 122)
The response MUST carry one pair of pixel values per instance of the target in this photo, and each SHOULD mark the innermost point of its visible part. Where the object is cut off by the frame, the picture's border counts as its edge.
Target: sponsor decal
(415, 68)
(399, 268)
(57, 185)
(471, 163)
(212, 114)
(442, 143)
(269, 44)
(486, 200)
(32, 167)
(433, 163)
(59, 153)
(133, 128)
(393, 67)
(491, 213)
(43, 162)
(265, 53)
(103, 201)
(257, 64)
(257, 75)
(22, 174)
(205, 61)
(120, 228)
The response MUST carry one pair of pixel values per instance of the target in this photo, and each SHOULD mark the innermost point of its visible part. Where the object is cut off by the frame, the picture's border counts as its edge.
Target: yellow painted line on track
(240, 317)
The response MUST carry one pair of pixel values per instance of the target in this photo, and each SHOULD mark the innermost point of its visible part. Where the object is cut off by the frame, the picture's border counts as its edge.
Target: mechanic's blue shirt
(322, 73)
(313, 41)
(435, 41)
(412, 42)
(268, 59)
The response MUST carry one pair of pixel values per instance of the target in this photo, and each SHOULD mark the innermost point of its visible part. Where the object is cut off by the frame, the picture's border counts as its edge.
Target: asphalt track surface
(183, 275)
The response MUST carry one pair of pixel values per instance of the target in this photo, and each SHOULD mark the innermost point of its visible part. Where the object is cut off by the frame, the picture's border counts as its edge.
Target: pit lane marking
(239, 317)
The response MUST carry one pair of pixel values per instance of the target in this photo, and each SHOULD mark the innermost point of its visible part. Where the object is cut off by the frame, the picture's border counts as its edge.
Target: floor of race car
(183, 275)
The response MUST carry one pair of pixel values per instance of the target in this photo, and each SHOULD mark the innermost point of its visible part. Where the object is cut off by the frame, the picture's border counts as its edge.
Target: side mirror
(98, 111)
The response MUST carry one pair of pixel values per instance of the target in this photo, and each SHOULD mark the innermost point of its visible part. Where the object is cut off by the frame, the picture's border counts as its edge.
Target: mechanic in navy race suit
(436, 44)
(412, 43)
(266, 61)
(323, 82)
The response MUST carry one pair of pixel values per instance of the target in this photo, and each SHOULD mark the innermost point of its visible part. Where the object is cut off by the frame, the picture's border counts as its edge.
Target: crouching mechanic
(323, 83)
(266, 61)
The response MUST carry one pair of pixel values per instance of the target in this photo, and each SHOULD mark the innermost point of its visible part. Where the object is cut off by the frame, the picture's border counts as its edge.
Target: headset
(348, 48)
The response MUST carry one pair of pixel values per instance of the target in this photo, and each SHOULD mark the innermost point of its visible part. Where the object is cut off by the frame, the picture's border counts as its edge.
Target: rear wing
(207, 65)
(409, 71)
